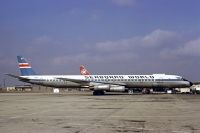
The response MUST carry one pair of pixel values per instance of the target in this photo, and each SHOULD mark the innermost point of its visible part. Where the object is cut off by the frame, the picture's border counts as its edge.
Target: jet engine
(107, 87)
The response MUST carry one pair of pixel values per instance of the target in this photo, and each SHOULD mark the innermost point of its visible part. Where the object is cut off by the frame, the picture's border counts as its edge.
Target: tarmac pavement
(80, 112)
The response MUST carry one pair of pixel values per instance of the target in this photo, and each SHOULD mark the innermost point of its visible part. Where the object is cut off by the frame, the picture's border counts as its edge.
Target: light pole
(4, 82)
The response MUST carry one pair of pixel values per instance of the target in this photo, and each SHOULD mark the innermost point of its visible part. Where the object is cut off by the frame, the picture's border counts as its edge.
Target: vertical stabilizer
(25, 67)
(84, 71)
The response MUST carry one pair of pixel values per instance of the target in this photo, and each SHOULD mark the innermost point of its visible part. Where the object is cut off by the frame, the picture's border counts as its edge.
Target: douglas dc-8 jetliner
(99, 83)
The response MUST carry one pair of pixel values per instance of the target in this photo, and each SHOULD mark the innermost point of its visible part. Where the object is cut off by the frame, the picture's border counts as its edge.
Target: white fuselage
(128, 81)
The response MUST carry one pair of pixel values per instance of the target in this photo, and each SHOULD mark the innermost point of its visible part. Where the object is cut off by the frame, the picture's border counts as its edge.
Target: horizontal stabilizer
(18, 77)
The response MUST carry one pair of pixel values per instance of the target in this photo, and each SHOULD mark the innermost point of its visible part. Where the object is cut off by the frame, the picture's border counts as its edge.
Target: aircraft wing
(84, 81)
(74, 80)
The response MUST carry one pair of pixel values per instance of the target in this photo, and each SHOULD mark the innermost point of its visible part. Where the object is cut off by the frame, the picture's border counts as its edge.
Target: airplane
(84, 71)
(99, 83)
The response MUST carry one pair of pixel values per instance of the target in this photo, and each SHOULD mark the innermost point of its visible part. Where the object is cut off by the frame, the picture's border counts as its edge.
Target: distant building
(183, 90)
(10, 88)
(17, 88)
(195, 89)
(23, 88)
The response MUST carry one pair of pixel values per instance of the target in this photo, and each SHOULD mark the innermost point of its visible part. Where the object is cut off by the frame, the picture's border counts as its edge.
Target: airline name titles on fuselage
(119, 77)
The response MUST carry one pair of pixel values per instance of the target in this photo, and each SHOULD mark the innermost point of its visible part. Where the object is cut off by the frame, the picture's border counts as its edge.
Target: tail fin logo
(25, 67)
(23, 62)
(84, 71)
(22, 58)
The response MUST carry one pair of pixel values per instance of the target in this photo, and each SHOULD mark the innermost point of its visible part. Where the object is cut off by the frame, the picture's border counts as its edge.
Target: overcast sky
(107, 36)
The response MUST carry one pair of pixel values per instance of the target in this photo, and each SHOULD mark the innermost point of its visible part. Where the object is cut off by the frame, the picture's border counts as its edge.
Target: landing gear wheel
(98, 93)
(130, 92)
(146, 91)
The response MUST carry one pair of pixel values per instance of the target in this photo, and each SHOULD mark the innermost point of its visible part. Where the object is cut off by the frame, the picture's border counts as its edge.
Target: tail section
(84, 71)
(25, 67)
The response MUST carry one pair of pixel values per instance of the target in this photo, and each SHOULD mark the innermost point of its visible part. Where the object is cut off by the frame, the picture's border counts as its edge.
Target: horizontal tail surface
(25, 67)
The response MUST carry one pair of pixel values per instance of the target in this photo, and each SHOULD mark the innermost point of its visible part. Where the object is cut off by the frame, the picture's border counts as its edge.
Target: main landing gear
(98, 93)
(130, 92)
